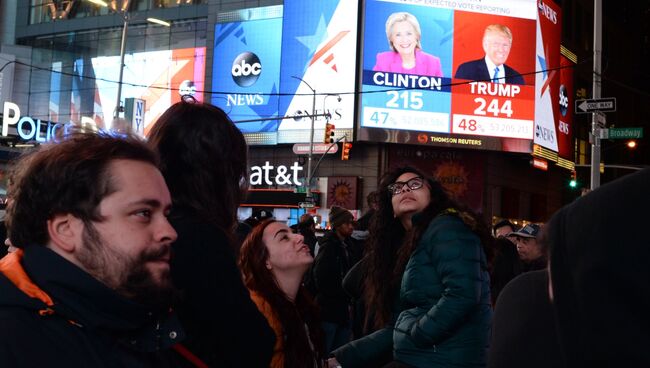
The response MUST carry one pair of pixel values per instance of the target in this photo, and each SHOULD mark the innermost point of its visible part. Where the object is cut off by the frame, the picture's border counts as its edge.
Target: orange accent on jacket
(277, 361)
(10, 266)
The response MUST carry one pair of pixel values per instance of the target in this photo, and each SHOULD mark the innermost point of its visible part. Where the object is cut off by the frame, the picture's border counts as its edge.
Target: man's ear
(65, 232)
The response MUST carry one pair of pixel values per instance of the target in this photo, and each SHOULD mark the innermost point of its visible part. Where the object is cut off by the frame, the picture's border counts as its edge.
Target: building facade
(63, 59)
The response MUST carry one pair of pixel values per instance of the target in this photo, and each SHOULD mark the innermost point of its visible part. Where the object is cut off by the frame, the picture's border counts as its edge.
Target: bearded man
(89, 285)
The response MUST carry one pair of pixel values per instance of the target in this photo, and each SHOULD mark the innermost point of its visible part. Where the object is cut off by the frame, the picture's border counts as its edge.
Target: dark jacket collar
(84, 300)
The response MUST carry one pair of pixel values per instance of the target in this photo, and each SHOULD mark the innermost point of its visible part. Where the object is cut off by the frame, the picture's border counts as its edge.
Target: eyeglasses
(413, 184)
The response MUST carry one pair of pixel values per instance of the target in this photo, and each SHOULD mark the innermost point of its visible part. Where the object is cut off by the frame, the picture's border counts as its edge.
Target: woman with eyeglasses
(273, 261)
(427, 288)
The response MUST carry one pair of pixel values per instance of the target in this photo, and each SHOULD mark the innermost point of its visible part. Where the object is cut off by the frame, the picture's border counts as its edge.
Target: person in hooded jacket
(599, 275)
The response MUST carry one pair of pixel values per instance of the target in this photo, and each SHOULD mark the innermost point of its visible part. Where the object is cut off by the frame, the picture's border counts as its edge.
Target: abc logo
(246, 69)
(564, 100)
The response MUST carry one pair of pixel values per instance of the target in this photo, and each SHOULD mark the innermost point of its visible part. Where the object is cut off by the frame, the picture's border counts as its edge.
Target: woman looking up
(426, 288)
(445, 288)
(273, 261)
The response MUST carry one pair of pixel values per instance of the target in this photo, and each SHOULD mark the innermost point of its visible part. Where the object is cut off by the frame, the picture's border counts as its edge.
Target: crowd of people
(127, 253)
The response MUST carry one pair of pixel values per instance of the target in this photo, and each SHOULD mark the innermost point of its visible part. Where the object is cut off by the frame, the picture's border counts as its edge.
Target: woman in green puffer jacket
(445, 289)
(441, 315)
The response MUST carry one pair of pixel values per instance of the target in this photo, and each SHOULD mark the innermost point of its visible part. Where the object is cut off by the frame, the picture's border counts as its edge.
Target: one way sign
(600, 104)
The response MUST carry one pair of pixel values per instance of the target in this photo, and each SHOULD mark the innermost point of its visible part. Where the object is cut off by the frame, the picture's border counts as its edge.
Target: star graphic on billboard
(542, 62)
(312, 41)
(546, 76)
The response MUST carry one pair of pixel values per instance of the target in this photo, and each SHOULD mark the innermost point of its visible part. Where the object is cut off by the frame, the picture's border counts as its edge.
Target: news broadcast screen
(459, 74)
(277, 67)
(159, 78)
(246, 71)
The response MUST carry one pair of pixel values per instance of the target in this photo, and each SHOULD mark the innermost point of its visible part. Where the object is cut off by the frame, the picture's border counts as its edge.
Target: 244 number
(493, 107)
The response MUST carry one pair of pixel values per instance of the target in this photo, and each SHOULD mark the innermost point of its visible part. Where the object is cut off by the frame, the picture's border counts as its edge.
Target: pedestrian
(273, 261)
(532, 253)
(506, 264)
(523, 327)
(333, 260)
(307, 228)
(503, 228)
(599, 274)
(203, 159)
(89, 285)
(440, 317)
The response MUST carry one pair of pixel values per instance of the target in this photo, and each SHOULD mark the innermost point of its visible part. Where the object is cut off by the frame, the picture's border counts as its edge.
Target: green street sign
(625, 133)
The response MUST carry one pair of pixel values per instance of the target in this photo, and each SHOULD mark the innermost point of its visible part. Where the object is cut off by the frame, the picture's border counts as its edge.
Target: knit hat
(339, 216)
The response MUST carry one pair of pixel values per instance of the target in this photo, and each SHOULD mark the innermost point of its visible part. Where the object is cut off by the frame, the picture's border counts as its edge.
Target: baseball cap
(528, 231)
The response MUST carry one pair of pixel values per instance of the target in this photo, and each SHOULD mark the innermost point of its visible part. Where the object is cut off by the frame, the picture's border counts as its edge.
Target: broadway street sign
(625, 133)
(600, 104)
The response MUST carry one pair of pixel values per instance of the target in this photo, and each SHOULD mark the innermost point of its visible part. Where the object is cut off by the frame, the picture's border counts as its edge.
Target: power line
(167, 88)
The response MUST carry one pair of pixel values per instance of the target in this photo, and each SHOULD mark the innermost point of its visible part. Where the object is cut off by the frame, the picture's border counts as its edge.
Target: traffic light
(329, 133)
(345, 152)
(573, 183)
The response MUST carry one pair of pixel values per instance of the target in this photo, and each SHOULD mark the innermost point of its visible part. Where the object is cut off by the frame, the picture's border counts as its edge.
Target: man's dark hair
(68, 177)
(203, 158)
(501, 224)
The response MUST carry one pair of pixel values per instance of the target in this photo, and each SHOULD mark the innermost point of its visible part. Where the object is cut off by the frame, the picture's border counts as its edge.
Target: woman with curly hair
(273, 261)
(426, 285)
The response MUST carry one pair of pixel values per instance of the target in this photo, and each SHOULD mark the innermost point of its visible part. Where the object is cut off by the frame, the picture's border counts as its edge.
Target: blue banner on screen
(319, 47)
(246, 72)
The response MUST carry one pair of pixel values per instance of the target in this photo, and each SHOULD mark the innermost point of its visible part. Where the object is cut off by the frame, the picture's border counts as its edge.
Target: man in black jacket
(599, 274)
(333, 260)
(89, 285)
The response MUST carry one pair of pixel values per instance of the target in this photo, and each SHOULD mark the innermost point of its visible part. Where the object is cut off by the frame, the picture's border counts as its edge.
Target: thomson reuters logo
(246, 69)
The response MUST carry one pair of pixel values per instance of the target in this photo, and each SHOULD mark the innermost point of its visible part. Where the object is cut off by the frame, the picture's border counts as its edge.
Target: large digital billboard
(157, 77)
(547, 83)
(273, 68)
(319, 42)
(458, 73)
(246, 71)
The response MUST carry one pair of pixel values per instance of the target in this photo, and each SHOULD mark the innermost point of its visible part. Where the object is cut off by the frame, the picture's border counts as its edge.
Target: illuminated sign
(159, 78)
(549, 98)
(319, 46)
(262, 56)
(30, 129)
(455, 73)
(268, 174)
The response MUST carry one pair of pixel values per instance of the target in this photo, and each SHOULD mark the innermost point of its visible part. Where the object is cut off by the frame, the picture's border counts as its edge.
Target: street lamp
(311, 139)
(338, 99)
(123, 12)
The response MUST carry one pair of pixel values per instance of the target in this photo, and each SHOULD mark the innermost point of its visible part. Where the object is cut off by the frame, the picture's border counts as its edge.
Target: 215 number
(408, 99)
